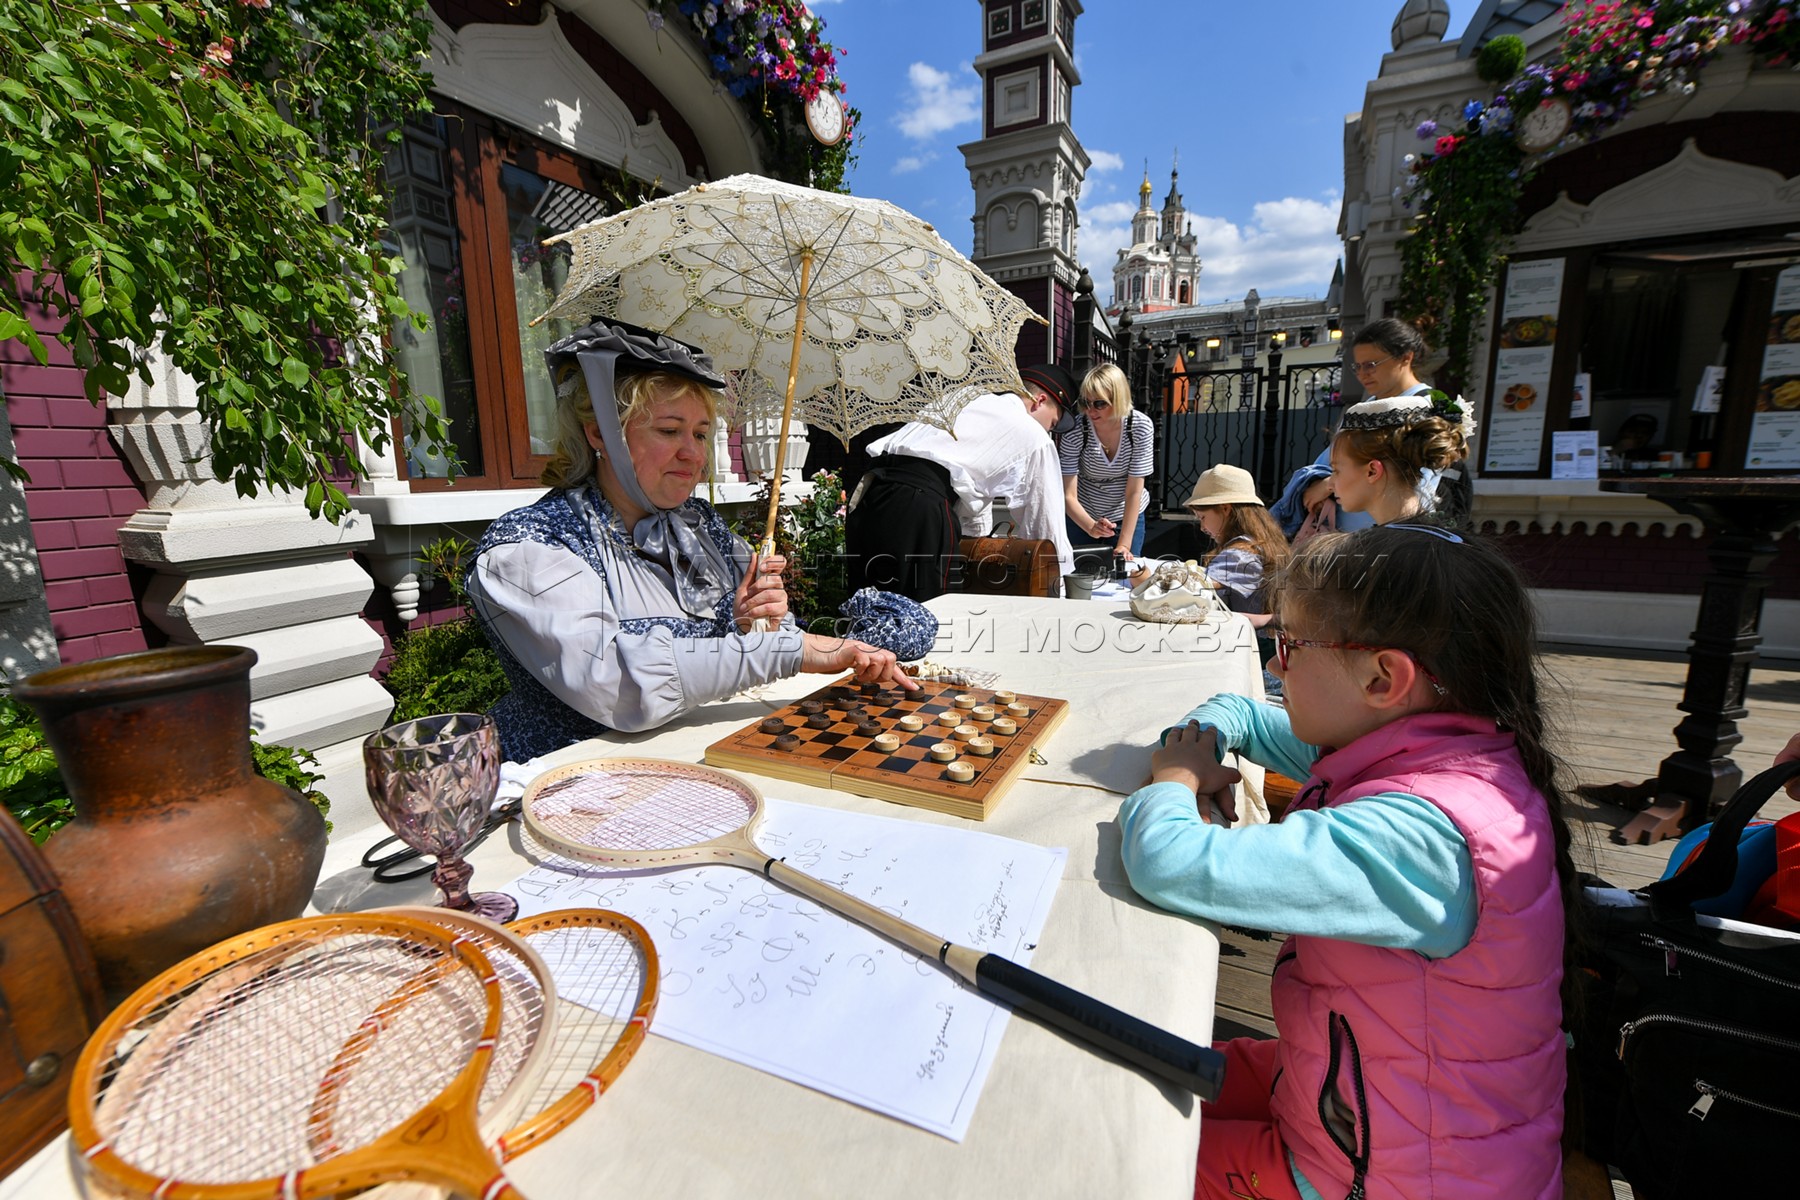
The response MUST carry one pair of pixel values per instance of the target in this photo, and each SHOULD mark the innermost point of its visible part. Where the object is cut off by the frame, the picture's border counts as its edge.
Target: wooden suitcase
(1005, 566)
(49, 998)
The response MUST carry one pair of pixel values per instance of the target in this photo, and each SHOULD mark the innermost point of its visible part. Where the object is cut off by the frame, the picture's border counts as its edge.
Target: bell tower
(1028, 167)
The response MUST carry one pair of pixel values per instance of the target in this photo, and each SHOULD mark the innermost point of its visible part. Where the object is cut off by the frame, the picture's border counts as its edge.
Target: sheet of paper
(761, 976)
(1533, 289)
(1710, 391)
(1574, 454)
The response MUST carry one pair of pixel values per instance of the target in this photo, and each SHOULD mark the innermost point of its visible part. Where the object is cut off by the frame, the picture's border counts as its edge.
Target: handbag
(1008, 566)
(1685, 1063)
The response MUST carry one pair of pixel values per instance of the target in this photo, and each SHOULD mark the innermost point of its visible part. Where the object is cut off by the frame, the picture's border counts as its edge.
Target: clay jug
(176, 842)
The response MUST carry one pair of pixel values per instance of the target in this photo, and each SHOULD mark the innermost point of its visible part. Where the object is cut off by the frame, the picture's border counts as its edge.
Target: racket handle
(1199, 1069)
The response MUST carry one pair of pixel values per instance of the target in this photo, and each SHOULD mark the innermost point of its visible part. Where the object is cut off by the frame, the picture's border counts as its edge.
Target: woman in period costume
(620, 600)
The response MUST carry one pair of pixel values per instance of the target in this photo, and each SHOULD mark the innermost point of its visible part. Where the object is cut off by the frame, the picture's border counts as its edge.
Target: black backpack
(1685, 1065)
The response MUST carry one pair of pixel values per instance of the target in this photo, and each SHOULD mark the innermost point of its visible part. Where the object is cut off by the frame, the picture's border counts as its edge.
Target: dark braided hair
(1462, 611)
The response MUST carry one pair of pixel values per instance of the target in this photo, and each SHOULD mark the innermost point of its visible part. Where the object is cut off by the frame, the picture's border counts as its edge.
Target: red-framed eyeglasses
(1284, 644)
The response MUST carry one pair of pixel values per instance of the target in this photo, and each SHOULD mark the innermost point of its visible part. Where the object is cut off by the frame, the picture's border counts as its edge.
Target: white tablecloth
(1055, 1119)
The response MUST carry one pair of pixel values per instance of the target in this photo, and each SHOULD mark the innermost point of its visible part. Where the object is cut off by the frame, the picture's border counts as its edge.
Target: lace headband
(1404, 410)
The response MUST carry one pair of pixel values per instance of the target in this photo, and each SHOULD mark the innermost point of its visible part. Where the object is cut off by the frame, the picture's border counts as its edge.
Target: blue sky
(1253, 94)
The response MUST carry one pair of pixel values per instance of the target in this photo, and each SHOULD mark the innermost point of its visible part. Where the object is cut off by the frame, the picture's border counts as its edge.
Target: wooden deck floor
(1615, 714)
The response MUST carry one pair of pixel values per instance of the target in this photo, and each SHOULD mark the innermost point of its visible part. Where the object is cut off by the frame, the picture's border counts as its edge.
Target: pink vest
(1451, 1070)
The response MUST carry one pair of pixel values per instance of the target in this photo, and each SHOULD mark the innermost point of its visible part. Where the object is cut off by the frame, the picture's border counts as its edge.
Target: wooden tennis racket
(528, 1010)
(609, 973)
(304, 1059)
(626, 812)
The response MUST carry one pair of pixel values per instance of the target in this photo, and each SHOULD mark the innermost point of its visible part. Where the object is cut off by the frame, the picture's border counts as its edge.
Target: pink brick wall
(80, 492)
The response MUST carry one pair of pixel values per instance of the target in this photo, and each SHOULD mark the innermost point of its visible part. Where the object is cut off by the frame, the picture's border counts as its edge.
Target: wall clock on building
(1545, 125)
(825, 117)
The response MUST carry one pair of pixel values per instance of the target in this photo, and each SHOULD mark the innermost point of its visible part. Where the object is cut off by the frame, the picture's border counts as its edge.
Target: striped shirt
(1101, 487)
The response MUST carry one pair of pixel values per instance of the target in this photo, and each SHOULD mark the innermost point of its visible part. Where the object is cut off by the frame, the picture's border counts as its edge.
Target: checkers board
(839, 756)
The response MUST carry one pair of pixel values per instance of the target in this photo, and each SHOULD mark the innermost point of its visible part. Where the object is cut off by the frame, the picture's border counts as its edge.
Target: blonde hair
(1107, 382)
(572, 462)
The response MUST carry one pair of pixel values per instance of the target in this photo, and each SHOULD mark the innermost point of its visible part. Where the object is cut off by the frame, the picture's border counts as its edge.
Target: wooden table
(1744, 516)
(1054, 1119)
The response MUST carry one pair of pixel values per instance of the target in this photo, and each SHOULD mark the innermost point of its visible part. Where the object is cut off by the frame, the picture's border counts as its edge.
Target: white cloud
(1105, 230)
(1104, 160)
(1288, 247)
(913, 162)
(934, 102)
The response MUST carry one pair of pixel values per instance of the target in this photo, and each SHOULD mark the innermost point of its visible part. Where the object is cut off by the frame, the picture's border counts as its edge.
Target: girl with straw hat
(1247, 543)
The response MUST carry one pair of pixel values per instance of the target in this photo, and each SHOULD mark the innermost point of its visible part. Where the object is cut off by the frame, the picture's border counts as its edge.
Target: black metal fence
(1268, 420)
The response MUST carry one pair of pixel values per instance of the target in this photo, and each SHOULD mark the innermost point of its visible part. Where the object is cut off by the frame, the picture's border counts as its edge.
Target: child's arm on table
(1388, 870)
(1260, 732)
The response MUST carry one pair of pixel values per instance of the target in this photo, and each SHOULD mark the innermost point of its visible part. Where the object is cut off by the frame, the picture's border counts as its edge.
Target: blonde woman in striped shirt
(1104, 464)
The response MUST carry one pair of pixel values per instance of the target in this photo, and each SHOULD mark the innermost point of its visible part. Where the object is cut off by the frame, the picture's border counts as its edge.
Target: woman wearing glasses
(1383, 355)
(1395, 453)
(1105, 463)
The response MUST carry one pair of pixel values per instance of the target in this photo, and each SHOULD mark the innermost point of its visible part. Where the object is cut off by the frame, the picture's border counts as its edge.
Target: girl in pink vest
(1421, 875)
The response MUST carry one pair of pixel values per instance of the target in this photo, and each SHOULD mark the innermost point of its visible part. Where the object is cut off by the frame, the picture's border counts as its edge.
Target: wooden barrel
(49, 998)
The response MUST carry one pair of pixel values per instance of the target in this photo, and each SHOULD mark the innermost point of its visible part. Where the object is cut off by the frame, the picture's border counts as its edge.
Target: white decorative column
(258, 572)
(721, 454)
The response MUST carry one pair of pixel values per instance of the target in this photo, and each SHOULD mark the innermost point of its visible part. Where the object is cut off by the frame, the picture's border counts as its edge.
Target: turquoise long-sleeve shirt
(1385, 870)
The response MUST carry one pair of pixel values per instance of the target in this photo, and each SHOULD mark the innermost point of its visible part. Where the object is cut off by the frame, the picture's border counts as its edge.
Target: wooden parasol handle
(787, 407)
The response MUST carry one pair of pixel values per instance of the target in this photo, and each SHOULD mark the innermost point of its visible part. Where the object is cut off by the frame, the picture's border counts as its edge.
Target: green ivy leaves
(198, 177)
(1467, 213)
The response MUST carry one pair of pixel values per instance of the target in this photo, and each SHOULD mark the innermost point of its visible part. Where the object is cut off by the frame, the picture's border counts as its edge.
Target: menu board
(1528, 312)
(1775, 426)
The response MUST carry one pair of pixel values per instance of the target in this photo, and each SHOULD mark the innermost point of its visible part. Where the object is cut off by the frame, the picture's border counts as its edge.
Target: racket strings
(288, 1056)
(522, 1015)
(640, 810)
(600, 975)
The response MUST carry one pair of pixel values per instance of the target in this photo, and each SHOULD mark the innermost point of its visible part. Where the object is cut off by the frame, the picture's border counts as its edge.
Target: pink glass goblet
(432, 781)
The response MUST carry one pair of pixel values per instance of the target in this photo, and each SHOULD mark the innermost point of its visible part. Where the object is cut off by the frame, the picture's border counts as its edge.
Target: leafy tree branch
(197, 177)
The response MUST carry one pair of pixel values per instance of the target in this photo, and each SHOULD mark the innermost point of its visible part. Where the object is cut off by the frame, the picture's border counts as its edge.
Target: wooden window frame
(480, 147)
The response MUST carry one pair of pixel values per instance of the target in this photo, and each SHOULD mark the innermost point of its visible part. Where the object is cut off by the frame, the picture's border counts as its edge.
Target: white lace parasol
(892, 323)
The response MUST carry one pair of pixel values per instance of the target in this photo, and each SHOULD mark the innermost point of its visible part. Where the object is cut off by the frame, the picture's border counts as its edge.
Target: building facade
(1664, 250)
(1028, 167)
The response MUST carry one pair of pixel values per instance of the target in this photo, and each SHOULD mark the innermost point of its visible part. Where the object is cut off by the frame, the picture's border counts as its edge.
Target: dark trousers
(902, 534)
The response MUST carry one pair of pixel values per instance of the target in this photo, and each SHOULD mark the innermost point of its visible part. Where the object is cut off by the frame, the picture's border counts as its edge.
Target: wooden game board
(840, 757)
